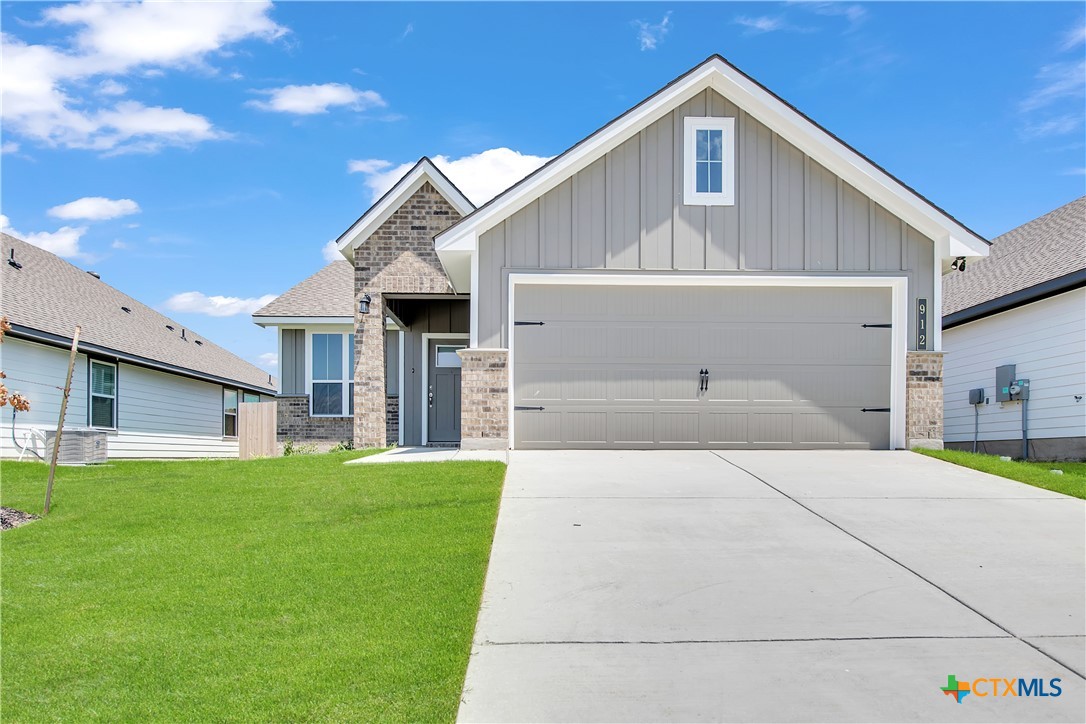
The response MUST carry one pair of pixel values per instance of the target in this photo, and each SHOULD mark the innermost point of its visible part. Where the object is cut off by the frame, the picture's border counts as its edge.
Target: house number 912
(921, 323)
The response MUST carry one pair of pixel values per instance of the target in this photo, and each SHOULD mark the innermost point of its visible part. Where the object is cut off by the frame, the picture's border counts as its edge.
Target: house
(1023, 305)
(157, 389)
(711, 269)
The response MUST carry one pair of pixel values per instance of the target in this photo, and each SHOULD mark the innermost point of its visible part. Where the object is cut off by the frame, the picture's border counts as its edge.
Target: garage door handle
(517, 408)
(874, 409)
(881, 326)
(528, 324)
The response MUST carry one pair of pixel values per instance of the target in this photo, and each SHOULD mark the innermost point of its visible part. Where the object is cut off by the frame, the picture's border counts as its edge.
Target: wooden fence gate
(256, 430)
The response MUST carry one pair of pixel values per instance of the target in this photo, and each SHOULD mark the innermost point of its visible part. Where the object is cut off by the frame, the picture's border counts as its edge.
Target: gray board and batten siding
(625, 212)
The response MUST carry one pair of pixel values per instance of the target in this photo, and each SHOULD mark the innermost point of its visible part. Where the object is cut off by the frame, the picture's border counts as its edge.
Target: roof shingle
(328, 293)
(52, 296)
(1046, 248)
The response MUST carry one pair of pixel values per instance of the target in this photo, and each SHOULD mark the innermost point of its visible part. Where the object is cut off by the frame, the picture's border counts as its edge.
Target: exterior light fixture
(364, 304)
(959, 264)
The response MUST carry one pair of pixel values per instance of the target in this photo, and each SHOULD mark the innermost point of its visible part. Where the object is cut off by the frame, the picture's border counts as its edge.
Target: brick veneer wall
(924, 400)
(392, 419)
(484, 399)
(398, 258)
(293, 422)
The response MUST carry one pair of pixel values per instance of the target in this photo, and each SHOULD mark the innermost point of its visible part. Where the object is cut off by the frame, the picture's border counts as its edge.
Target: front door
(443, 393)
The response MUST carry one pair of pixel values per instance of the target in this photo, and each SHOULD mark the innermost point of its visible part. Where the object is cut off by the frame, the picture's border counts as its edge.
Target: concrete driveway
(775, 586)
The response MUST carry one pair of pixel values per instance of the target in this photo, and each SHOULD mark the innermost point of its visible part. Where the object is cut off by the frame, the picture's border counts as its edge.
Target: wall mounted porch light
(364, 304)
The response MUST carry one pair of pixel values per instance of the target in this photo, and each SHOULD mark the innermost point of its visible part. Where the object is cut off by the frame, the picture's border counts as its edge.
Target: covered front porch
(418, 386)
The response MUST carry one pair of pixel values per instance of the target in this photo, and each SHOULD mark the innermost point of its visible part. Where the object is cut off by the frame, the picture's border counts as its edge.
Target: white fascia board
(300, 321)
(768, 109)
(423, 171)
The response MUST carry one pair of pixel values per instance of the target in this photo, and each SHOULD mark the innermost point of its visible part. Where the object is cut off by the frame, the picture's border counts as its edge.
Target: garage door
(701, 367)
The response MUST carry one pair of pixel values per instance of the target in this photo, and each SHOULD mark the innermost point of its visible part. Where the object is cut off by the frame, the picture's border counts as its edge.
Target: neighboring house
(1023, 305)
(709, 270)
(158, 390)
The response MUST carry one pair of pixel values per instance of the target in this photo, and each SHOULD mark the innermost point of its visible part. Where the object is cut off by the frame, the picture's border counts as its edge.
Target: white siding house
(154, 388)
(1040, 328)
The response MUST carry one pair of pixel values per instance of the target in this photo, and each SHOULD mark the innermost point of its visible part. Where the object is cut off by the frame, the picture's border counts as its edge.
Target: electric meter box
(1004, 380)
(976, 397)
(1020, 390)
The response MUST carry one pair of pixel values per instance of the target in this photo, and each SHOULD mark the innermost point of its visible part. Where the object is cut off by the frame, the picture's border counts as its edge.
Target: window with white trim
(229, 412)
(103, 397)
(709, 161)
(331, 392)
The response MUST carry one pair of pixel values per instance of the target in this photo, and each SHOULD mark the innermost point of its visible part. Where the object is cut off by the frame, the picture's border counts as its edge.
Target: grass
(268, 590)
(1072, 482)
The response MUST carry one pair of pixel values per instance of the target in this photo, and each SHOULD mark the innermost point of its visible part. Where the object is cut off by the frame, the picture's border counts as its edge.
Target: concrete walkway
(775, 586)
(430, 455)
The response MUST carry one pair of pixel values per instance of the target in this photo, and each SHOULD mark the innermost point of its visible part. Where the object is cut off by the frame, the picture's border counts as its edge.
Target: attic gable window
(709, 162)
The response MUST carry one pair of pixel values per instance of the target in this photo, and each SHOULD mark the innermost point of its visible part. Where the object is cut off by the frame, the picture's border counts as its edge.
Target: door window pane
(445, 355)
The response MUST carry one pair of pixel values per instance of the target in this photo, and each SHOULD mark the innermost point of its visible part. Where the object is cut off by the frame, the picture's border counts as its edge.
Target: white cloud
(367, 166)
(480, 177)
(45, 94)
(119, 245)
(9, 147)
(1074, 37)
(1056, 126)
(63, 242)
(95, 208)
(215, 306)
(1077, 171)
(1057, 81)
(269, 360)
(330, 251)
(110, 87)
(649, 35)
(854, 14)
(311, 99)
(407, 31)
(760, 24)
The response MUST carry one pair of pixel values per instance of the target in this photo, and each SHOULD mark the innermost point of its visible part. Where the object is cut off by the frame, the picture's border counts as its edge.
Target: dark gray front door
(443, 394)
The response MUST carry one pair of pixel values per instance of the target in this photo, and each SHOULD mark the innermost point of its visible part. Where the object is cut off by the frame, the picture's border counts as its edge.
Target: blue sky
(201, 157)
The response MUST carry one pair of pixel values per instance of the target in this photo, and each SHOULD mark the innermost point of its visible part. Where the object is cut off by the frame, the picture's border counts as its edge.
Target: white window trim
(691, 197)
(427, 337)
(91, 394)
(899, 344)
(347, 381)
(237, 412)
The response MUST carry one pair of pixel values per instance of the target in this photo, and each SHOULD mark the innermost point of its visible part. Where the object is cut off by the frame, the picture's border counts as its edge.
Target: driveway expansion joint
(890, 558)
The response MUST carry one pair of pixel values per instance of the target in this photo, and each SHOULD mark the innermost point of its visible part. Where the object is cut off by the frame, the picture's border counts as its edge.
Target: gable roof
(781, 117)
(424, 170)
(1039, 258)
(328, 293)
(48, 297)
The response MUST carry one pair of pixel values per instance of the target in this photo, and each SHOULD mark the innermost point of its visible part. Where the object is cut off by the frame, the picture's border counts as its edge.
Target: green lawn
(269, 590)
(1072, 482)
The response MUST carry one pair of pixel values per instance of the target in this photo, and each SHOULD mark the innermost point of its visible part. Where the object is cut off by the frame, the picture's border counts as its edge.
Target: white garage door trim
(899, 287)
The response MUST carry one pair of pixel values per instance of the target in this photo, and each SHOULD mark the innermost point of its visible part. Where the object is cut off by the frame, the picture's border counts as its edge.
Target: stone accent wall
(293, 422)
(484, 399)
(392, 419)
(924, 400)
(398, 258)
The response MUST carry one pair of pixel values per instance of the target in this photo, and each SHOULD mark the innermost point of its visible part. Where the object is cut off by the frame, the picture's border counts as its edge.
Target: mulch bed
(11, 518)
